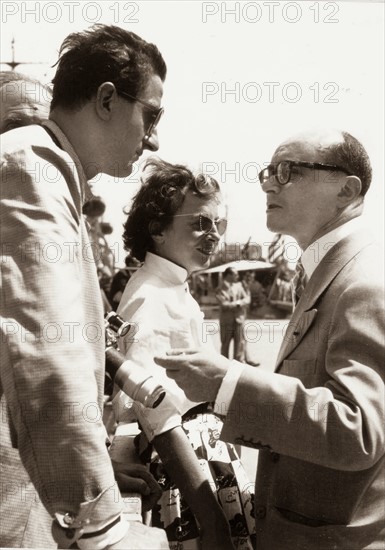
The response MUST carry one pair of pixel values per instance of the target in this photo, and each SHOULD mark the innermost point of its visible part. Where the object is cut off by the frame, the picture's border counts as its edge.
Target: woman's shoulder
(140, 292)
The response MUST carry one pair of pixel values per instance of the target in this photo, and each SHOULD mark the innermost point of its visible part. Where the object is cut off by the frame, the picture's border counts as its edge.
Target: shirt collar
(165, 270)
(315, 252)
(64, 144)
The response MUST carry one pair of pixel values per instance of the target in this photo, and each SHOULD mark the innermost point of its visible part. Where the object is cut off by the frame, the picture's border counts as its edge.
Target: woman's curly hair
(164, 187)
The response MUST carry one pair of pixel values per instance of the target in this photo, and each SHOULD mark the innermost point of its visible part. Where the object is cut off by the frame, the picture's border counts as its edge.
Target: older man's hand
(198, 372)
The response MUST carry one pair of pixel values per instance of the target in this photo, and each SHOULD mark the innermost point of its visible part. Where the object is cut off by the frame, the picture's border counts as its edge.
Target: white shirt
(158, 302)
(311, 258)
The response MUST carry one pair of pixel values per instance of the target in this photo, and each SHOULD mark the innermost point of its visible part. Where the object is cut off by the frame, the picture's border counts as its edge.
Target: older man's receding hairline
(320, 141)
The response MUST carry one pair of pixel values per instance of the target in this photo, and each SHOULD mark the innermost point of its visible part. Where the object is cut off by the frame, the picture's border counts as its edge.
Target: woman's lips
(207, 249)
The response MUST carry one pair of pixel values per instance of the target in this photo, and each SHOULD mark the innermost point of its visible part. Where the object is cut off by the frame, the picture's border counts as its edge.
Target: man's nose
(271, 185)
(151, 143)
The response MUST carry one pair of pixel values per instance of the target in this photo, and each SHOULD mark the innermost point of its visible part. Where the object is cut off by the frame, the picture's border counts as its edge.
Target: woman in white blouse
(174, 227)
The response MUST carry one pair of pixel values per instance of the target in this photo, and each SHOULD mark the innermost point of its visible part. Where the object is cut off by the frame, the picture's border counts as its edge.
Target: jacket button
(274, 457)
(68, 518)
(260, 512)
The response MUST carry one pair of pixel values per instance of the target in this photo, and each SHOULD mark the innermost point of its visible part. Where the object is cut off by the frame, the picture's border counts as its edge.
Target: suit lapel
(305, 312)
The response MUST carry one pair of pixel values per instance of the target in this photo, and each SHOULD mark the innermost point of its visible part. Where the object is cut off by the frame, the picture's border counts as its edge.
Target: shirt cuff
(103, 510)
(105, 536)
(227, 388)
(156, 421)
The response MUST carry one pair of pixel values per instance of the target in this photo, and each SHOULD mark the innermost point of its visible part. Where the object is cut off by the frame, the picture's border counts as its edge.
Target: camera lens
(117, 324)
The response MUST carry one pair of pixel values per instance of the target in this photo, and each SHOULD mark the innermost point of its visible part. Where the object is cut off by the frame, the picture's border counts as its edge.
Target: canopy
(241, 265)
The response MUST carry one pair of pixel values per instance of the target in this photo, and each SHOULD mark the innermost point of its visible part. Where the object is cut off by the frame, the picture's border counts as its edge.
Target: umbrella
(241, 265)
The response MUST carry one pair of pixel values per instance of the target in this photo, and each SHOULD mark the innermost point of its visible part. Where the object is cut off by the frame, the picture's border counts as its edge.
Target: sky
(242, 77)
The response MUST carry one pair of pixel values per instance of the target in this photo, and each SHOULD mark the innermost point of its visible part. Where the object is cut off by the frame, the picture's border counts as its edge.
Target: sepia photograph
(192, 275)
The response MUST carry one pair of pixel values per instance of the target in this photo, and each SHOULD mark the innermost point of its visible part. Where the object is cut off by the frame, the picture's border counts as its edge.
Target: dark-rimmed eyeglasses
(282, 170)
(156, 113)
(206, 225)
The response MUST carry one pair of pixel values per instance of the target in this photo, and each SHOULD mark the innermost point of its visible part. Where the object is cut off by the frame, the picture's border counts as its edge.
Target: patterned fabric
(275, 253)
(298, 282)
(227, 477)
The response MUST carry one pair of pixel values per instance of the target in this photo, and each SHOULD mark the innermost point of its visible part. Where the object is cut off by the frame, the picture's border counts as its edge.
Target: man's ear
(350, 190)
(106, 96)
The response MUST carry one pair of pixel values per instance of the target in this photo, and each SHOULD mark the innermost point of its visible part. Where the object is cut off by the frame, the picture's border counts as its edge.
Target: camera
(133, 380)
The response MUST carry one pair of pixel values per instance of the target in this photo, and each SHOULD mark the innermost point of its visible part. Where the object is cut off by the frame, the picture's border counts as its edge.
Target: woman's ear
(155, 230)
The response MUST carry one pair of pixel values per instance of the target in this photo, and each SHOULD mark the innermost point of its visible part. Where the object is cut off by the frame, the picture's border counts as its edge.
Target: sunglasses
(206, 225)
(155, 113)
(282, 170)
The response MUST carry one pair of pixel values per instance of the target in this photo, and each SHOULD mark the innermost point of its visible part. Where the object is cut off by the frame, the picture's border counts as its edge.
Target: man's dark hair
(229, 271)
(103, 53)
(351, 155)
(158, 200)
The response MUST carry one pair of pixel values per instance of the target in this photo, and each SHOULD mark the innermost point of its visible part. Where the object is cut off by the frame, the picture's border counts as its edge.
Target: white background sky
(325, 58)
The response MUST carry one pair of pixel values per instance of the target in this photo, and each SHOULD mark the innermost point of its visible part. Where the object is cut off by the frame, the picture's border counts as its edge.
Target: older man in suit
(104, 111)
(318, 420)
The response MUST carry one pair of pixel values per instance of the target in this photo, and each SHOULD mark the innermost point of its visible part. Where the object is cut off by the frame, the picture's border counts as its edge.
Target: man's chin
(273, 225)
(121, 172)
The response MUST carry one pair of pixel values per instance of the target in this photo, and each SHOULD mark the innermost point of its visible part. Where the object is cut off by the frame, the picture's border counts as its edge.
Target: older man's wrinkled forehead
(310, 146)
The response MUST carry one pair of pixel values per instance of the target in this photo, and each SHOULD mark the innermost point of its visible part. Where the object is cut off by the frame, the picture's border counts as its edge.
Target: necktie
(298, 282)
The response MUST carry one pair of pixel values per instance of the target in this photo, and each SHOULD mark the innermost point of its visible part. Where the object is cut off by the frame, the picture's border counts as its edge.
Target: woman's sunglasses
(206, 224)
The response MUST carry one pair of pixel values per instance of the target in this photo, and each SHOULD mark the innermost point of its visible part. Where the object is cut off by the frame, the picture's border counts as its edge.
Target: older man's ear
(350, 191)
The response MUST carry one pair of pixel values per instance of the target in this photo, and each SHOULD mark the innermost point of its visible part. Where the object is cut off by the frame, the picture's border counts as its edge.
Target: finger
(128, 484)
(149, 501)
(169, 362)
(181, 351)
(145, 475)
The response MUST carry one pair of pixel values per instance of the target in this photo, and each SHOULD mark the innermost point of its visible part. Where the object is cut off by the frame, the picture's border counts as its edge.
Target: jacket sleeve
(49, 368)
(154, 332)
(339, 425)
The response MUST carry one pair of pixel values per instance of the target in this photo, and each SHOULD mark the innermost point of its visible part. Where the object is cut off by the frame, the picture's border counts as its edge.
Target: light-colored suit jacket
(226, 295)
(319, 419)
(52, 349)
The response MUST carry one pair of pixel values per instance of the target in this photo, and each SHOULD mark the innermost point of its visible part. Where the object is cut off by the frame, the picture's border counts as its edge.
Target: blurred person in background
(23, 101)
(120, 280)
(233, 303)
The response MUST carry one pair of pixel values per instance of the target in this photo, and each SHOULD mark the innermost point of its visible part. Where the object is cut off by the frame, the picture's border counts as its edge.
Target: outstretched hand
(198, 372)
